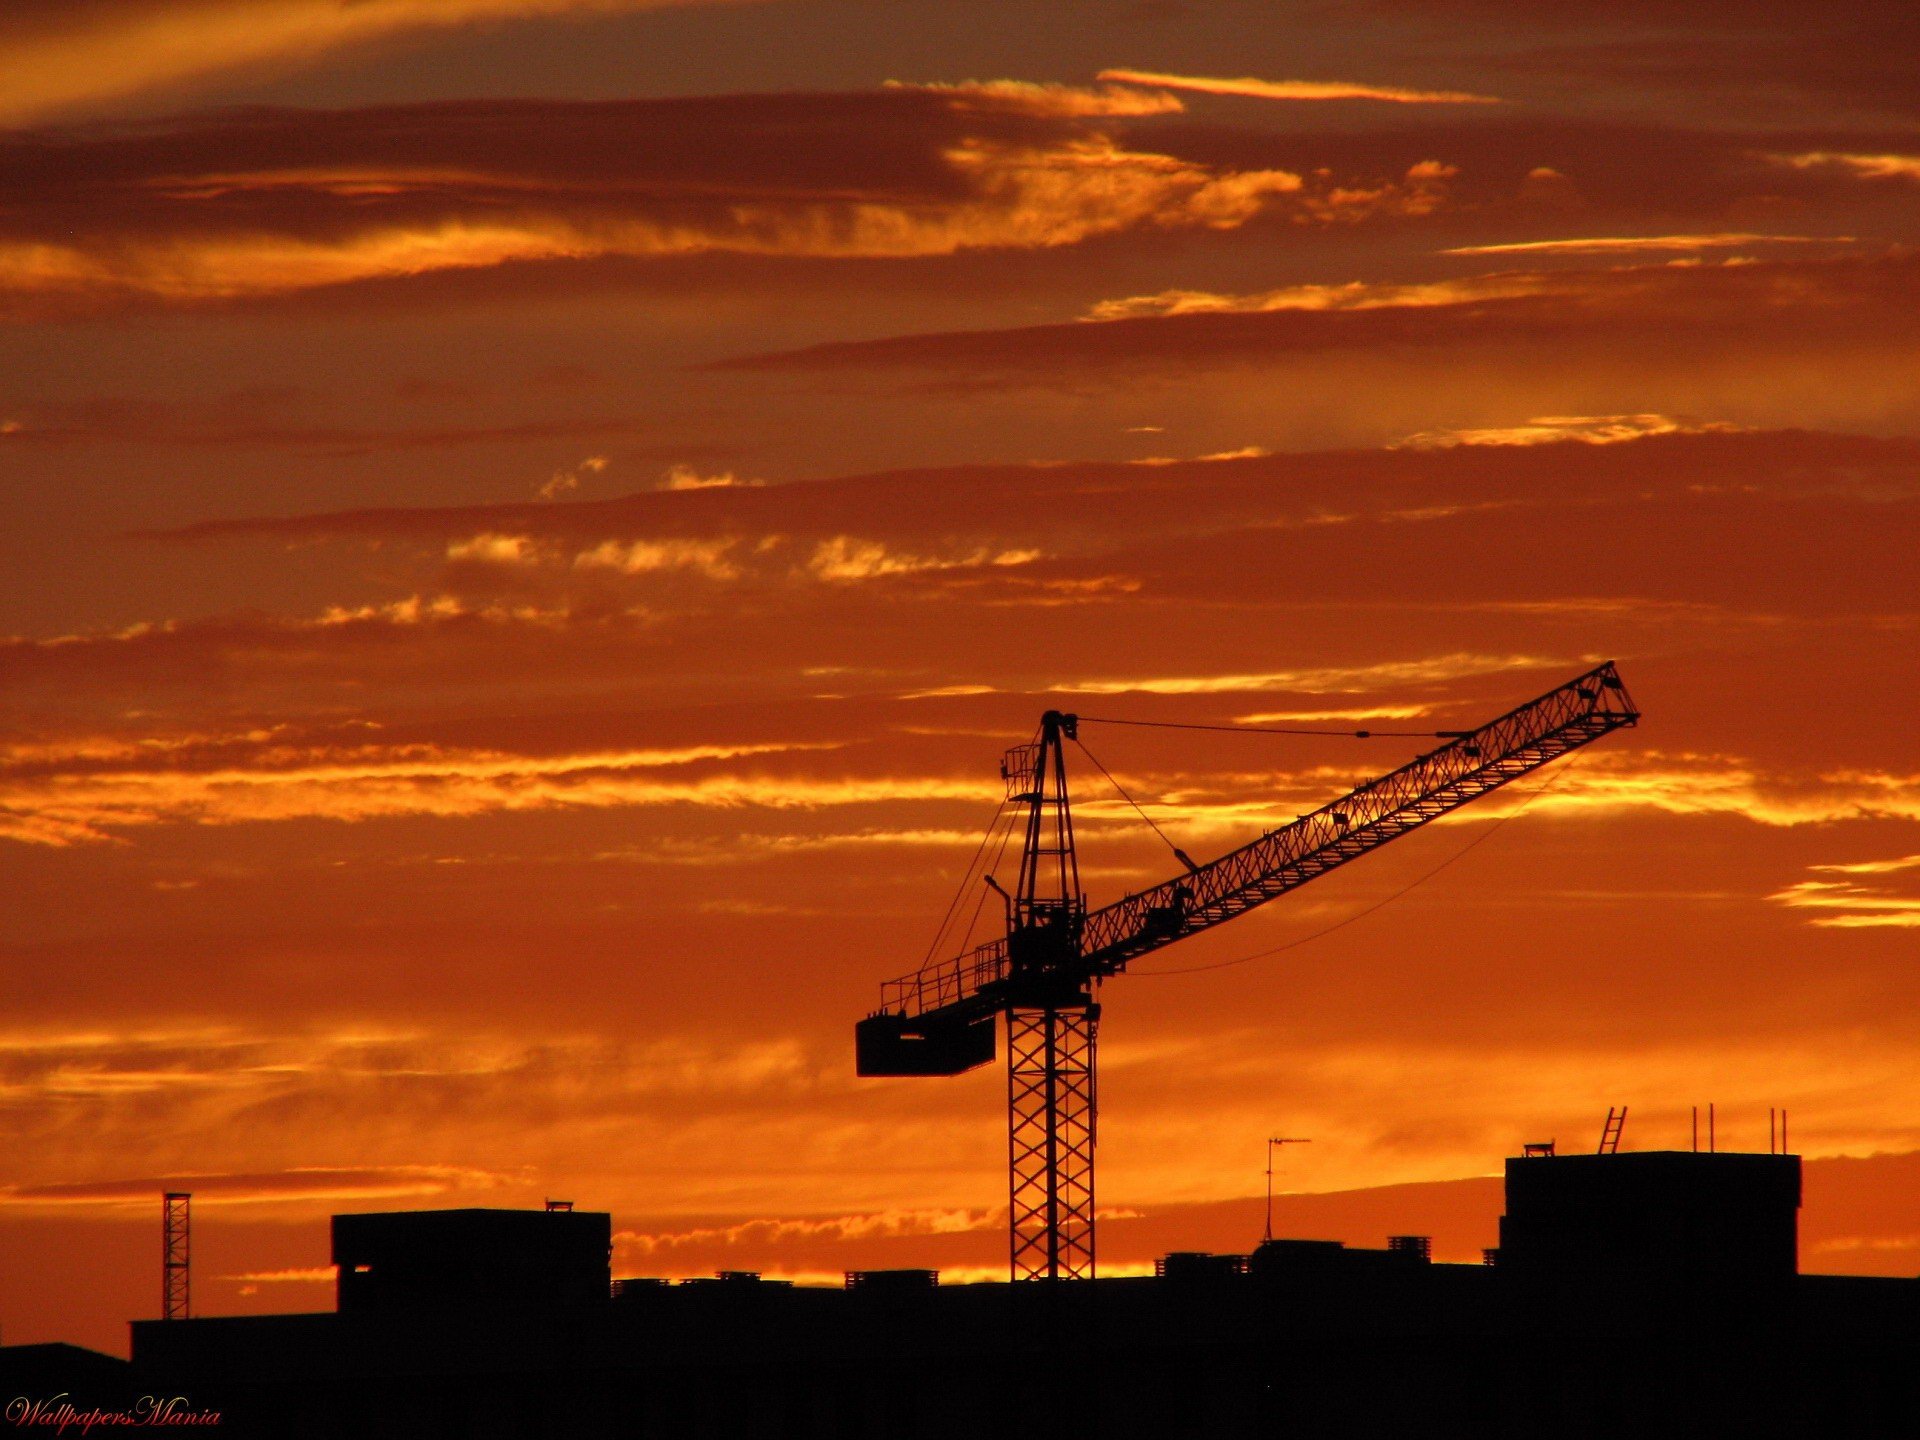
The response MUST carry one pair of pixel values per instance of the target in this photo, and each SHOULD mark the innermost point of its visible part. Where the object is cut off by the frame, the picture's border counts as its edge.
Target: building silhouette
(1632, 1294)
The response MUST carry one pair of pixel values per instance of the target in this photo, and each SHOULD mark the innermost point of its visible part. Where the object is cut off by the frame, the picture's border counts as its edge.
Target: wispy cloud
(711, 558)
(1807, 306)
(1553, 429)
(846, 557)
(1358, 712)
(630, 1246)
(1350, 295)
(1726, 785)
(1858, 166)
(1295, 89)
(686, 477)
(1320, 680)
(564, 482)
(308, 1275)
(369, 783)
(1642, 244)
(303, 1184)
(1077, 101)
(70, 56)
(1854, 903)
(311, 199)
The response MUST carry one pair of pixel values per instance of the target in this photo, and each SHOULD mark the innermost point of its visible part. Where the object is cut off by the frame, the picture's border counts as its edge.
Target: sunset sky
(529, 524)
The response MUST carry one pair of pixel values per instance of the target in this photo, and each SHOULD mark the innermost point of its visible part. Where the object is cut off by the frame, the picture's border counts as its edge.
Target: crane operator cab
(1164, 922)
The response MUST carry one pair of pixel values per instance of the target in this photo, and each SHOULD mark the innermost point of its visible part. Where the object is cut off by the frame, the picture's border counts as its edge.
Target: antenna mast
(1276, 1141)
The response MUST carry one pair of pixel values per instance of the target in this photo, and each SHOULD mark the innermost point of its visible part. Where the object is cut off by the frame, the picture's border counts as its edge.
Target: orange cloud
(1852, 903)
(298, 202)
(844, 557)
(307, 1275)
(302, 1185)
(1352, 295)
(1295, 89)
(712, 558)
(1639, 244)
(1552, 429)
(81, 55)
(427, 781)
(1858, 166)
(1316, 681)
(1802, 307)
(629, 1246)
(1050, 99)
(686, 477)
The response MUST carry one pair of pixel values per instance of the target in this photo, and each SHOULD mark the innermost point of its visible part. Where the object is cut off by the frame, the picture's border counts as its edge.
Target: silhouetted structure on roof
(439, 1259)
(1652, 1220)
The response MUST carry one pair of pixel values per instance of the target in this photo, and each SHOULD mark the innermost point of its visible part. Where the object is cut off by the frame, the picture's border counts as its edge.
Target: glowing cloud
(1849, 904)
(366, 784)
(1050, 100)
(307, 1275)
(1294, 89)
(1860, 167)
(493, 549)
(301, 1184)
(628, 1245)
(711, 558)
(1553, 429)
(685, 477)
(845, 557)
(1352, 295)
(1002, 179)
(97, 53)
(1316, 681)
(1639, 244)
(562, 482)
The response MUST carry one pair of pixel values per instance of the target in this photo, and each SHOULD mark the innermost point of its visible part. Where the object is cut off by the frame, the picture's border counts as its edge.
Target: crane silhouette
(1043, 974)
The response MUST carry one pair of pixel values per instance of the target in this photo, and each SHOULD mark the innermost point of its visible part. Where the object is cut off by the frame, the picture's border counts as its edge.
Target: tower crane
(1044, 973)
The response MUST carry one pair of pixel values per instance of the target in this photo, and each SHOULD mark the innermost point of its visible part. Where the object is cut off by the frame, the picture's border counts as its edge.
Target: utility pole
(1275, 1141)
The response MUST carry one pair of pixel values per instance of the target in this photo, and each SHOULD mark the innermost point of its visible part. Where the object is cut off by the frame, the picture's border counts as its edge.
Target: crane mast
(1044, 973)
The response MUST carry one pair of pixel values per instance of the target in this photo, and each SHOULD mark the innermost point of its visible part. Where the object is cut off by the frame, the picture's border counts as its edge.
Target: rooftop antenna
(176, 1216)
(1275, 1141)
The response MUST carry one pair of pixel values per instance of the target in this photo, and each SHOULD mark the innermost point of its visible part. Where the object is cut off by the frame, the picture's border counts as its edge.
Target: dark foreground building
(1640, 1294)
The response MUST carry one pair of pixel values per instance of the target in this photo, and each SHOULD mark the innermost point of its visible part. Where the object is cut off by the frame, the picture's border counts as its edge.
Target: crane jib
(965, 989)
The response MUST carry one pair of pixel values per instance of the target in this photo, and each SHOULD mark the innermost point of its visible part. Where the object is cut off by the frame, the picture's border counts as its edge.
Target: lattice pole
(1051, 1111)
(177, 1255)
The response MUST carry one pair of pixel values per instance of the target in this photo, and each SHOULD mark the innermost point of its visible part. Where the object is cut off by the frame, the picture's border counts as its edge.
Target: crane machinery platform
(1044, 973)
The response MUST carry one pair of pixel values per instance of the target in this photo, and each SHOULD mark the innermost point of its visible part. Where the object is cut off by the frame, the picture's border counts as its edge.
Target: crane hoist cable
(1276, 729)
(987, 882)
(1384, 901)
(966, 880)
(1178, 853)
